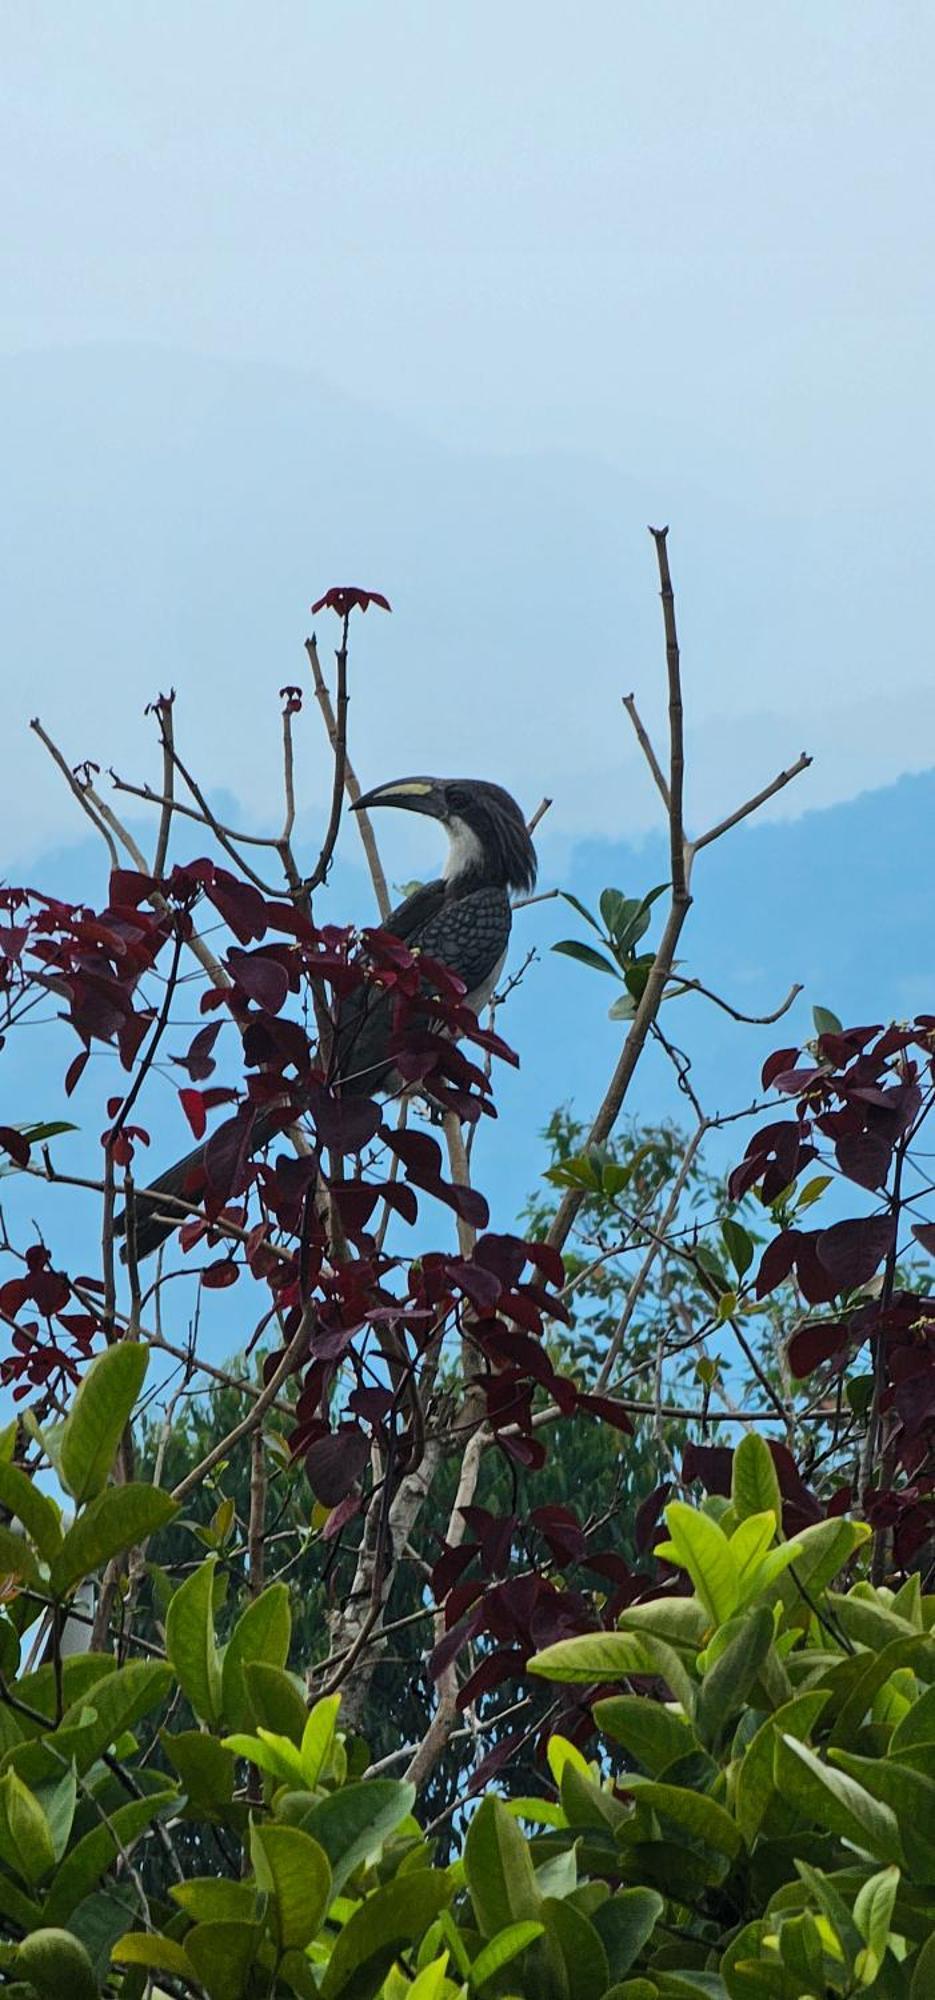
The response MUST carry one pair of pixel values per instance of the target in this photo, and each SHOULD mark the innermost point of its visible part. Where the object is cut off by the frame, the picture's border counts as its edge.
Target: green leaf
(80, 1673)
(191, 1644)
(869, 1672)
(702, 1548)
(216, 1899)
(25, 1834)
(318, 1738)
(819, 1553)
(293, 1871)
(624, 1924)
(58, 1803)
(88, 1860)
(578, 1948)
(567, 897)
(276, 1755)
(222, 1955)
(749, 1542)
(836, 1801)
(398, 1914)
(755, 1781)
(118, 1519)
(155, 1952)
(39, 1515)
(206, 1770)
(117, 1702)
(16, 1558)
(647, 1729)
(98, 1415)
(56, 1964)
(608, 1656)
(501, 1949)
(499, 1871)
(726, 1685)
(874, 1908)
(740, 1248)
(923, 1972)
(352, 1824)
(909, 1796)
(586, 955)
(917, 1726)
(262, 1633)
(700, 1815)
(275, 1699)
(754, 1483)
(825, 1022)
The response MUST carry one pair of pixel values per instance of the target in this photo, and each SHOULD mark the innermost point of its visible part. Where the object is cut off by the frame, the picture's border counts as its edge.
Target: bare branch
(752, 805)
(352, 787)
(645, 743)
(638, 1284)
(163, 712)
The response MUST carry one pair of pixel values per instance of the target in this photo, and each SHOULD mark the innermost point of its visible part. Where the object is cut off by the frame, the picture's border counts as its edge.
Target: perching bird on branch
(463, 919)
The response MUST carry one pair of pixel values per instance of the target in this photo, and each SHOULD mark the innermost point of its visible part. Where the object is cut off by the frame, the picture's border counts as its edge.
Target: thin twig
(352, 787)
(743, 812)
(645, 743)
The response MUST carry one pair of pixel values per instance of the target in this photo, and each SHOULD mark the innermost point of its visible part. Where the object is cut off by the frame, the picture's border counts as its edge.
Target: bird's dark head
(486, 831)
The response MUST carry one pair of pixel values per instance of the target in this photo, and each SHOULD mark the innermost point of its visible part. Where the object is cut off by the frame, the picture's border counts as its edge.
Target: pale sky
(572, 269)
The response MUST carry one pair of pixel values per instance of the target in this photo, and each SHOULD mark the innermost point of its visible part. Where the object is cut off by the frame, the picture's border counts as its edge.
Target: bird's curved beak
(420, 795)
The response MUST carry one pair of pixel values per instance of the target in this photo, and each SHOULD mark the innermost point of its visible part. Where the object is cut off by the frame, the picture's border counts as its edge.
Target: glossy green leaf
(353, 1823)
(276, 1700)
(873, 1909)
(608, 1656)
(922, 1984)
(624, 1924)
(222, 1955)
(755, 1780)
(191, 1644)
(499, 1870)
(26, 1843)
(754, 1480)
(820, 1552)
(153, 1951)
(651, 1733)
(741, 1249)
(262, 1633)
(116, 1520)
(16, 1557)
(204, 1767)
(293, 1871)
(117, 1702)
(909, 1796)
(95, 1423)
(40, 1516)
(699, 1546)
(318, 1738)
(394, 1916)
(502, 1949)
(274, 1754)
(727, 1684)
(700, 1815)
(577, 1945)
(586, 955)
(88, 1860)
(216, 1899)
(836, 1801)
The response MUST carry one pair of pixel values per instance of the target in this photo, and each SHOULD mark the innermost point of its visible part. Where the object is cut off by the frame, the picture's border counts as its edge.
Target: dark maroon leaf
(865, 1158)
(241, 906)
(216, 1277)
(503, 1665)
(343, 1124)
(75, 1070)
(608, 1409)
(852, 1251)
(711, 1463)
(263, 979)
(924, 1233)
(813, 1344)
(777, 1261)
(450, 1645)
(649, 1514)
(504, 1255)
(198, 1060)
(480, 1286)
(13, 1142)
(334, 1463)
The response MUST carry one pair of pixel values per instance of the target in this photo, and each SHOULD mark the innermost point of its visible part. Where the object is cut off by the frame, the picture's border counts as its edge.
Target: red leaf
(193, 1105)
(852, 1251)
(334, 1463)
(263, 979)
(345, 598)
(219, 1275)
(75, 1070)
(924, 1233)
(14, 1143)
(812, 1345)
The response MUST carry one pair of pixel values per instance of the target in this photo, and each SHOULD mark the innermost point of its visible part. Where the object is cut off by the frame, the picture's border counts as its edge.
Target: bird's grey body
(462, 919)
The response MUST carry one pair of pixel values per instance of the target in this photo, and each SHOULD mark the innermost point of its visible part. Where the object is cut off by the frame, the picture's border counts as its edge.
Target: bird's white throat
(464, 850)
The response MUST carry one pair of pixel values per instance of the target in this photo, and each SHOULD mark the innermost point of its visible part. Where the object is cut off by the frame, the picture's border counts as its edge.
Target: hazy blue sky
(494, 286)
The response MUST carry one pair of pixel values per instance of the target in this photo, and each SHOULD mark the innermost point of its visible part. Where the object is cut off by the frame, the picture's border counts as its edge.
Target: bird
(462, 919)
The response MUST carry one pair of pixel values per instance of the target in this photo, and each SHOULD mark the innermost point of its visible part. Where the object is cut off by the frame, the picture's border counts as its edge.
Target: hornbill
(462, 919)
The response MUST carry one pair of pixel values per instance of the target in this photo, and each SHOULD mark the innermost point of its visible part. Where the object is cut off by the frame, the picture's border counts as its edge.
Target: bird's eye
(457, 797)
